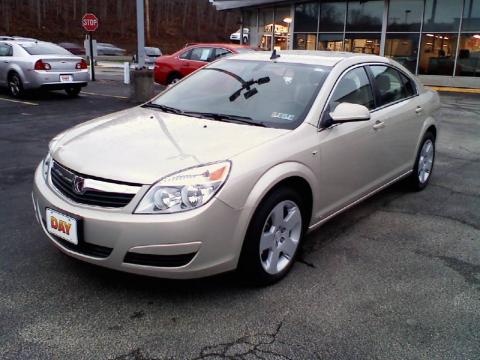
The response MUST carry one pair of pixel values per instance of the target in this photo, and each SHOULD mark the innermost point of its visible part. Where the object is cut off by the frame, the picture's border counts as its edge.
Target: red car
(171, 68)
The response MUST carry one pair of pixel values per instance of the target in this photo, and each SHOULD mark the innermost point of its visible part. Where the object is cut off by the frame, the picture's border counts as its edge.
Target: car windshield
(44, 49)
(265, 93)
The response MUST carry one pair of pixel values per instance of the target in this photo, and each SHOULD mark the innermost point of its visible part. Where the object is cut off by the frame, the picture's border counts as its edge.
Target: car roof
(326, 58)
(225, 45)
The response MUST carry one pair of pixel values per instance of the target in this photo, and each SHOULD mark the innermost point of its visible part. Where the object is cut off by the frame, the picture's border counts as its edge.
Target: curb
(455, 89)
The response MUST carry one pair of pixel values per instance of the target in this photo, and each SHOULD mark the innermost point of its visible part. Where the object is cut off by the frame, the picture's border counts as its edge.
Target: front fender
(266, 182)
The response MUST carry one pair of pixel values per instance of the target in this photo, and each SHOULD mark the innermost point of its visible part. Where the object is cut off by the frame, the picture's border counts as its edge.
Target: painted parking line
(455, 89)
(18, 101)
(105, 95)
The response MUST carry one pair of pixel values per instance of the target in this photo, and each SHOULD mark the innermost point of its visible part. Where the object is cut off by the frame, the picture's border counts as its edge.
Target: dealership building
(439, 40)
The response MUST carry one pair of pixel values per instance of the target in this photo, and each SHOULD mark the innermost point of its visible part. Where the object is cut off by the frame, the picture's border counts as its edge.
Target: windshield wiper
(226, 118)
(164, 108)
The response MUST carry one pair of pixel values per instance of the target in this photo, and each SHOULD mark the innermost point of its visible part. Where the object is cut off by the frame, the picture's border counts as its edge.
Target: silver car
(28, 65)
(229, 168)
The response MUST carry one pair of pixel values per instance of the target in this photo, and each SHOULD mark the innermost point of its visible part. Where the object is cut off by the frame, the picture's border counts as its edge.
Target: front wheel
(273, 238)
(73, 90)
(422, 171)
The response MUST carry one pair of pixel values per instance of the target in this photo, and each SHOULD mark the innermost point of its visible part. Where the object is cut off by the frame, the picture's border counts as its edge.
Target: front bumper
(208, 233)
(35, 79)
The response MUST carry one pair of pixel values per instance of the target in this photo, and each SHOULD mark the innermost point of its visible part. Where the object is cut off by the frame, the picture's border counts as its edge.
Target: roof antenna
(274, 55)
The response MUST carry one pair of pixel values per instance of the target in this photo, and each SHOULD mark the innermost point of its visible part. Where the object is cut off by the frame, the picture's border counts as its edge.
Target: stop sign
(90, 22)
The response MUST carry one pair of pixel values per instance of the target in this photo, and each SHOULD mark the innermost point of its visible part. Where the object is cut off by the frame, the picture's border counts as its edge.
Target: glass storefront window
(304, 41)
(265, 29)
(437, 54)
(306, 17)
(442, 15)
(330, 42)
(403, 48)
(363, 43)
(283, 21)
(332, 15)
(365, 15)
(468, 62)
(405, 15)
(471, 16)
(250, 27)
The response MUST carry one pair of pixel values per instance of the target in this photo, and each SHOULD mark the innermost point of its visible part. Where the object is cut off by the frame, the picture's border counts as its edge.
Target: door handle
(379, 125)
(419, 109)
(6, 61)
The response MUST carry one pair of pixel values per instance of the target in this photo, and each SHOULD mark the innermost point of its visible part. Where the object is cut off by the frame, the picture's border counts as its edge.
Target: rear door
(398, 108)
(6, 53)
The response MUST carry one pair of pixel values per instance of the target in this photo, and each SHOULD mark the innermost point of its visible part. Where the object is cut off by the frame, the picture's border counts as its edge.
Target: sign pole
(90, 24)
(92, 61)
(140, 34)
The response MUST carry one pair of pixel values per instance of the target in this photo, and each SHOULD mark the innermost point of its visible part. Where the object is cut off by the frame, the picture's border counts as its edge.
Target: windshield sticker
(283, 116)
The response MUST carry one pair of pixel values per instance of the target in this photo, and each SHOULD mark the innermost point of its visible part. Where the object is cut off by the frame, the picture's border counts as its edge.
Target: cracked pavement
(396, 277)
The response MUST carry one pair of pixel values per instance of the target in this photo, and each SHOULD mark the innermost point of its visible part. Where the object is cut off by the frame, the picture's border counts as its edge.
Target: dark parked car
(75, 49)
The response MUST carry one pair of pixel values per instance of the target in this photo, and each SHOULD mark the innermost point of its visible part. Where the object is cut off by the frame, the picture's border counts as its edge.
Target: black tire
(173, 78)
(414, 182)
(73, 91)
(15, 85)
(250, 267)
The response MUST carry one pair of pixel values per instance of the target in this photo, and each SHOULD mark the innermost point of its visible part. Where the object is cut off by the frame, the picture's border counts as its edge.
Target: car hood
(142, 145)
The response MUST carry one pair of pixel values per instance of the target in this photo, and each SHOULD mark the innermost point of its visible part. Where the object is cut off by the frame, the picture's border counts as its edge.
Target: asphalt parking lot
(397, 277)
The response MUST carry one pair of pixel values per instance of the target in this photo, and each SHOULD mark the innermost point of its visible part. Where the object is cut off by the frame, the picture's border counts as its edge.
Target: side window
(353, 88)
(219, 52)
(388, 84)
(201, 54)
(186, 55)
(6, 50)
(409, 84)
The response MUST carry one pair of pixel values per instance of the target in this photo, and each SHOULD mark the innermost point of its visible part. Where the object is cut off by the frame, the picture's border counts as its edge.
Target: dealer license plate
(62, 225)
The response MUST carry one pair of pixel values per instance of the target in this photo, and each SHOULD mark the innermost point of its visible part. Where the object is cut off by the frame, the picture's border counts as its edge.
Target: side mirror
(347, 112)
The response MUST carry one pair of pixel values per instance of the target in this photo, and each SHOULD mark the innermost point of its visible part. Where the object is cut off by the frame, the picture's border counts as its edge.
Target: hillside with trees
(172, 22)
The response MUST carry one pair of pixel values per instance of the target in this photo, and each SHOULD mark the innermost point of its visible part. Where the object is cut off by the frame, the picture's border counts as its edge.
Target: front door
(351, 161)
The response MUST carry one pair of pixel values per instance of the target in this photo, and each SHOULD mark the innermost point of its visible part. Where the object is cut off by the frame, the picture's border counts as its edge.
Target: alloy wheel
(425, 162)
(280, 237)
(14, 85)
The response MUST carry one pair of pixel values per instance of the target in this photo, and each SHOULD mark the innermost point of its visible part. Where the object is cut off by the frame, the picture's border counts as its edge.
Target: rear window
(44, 49)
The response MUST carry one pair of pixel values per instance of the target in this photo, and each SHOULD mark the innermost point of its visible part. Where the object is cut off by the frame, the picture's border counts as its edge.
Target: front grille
(158, 260)
(85, 248)
(63, 179)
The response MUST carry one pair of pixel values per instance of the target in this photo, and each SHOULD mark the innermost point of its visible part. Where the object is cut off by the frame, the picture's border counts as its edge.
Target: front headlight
(185, 190)
(47, 163)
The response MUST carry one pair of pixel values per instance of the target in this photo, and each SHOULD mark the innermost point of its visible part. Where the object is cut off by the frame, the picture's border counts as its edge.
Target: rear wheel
(15, 85)
(273, 237)
(425, 160)
(73, 90)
